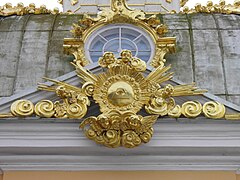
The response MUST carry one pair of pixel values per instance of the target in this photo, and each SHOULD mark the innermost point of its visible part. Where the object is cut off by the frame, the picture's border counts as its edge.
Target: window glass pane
(97, 45)
(129, 34)
(145, 56)
(95, 55)
(143, 44)
(111, 33)
(126, 44)
(112, 46)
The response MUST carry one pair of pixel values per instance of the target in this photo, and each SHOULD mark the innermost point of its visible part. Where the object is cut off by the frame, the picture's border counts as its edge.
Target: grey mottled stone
(6, 86)
(10, 45)
(32, 60)
(58, 63)
(176, 21)
(65, 22)
(208, 61)
(231, 47)
(181, 61)
(13, 23)
(202, 21)
(230, 21)
(40, 23)
(222, 96)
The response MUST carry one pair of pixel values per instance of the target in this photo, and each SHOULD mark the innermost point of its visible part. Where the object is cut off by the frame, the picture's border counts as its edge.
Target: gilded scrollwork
(22, 108)
(74, 100)
(214, 110)
(114, 129)
(191, 109)
(162, 102)
(45, 108)
(120, 8)
(175, 112)
(222, 7)
(8, 9)
(121, 13)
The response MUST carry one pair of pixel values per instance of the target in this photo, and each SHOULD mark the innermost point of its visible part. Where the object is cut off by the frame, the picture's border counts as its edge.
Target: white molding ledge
(47, 144)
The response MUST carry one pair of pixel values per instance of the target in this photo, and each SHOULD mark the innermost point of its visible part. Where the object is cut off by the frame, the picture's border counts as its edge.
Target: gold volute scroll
(22, 108)
(45, 108)
(214, 110)
(191, 109)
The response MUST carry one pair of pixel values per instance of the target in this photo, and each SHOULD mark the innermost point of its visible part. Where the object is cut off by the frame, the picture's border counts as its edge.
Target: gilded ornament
(45, 108)
(222, 7)
(162, 102)
(121, 13)
(60, 2)
(114, 129)
(183, 2)
(7, 115)
(74, 101)
(76, 110)
(22, 108)
(232, 116)
(88, 88)
(175, 112)
(130, 139)
(122, 89)
(107, 60)
(119, 87)
(74, 2)
(214, 110)
(191, 109)
(60, 110)
(20, 10)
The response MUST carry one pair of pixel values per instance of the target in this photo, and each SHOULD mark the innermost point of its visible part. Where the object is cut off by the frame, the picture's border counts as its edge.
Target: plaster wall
(208, 51)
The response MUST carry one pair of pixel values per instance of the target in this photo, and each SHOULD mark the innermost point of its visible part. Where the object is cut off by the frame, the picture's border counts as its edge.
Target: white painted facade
(149, 6)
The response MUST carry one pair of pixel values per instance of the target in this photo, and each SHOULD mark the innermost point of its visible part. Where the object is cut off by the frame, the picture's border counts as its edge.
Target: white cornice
(46, 144)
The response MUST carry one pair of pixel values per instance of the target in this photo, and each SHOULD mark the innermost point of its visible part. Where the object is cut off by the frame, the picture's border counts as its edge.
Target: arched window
(117, 37)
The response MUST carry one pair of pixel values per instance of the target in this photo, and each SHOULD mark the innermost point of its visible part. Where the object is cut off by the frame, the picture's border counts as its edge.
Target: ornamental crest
(130, 97)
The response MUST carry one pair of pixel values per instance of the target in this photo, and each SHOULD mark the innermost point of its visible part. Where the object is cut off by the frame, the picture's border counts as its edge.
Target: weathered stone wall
(208, 51)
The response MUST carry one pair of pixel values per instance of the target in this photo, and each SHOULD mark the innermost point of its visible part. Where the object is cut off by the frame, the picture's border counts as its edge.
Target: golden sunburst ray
(159, 75)
(57, 83)
(187, 90)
